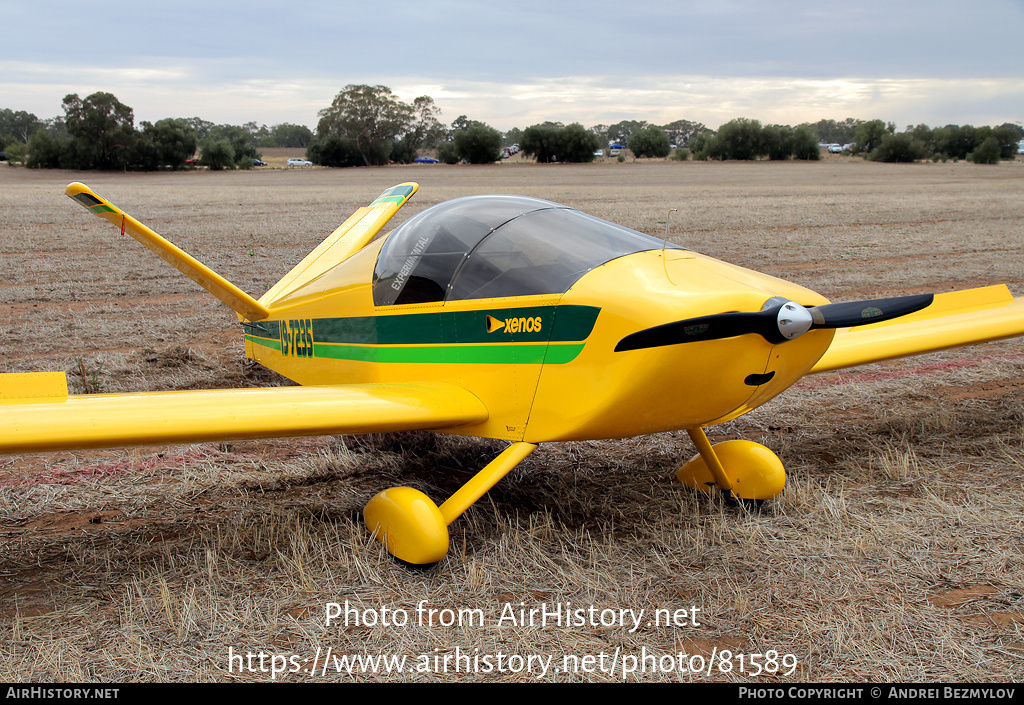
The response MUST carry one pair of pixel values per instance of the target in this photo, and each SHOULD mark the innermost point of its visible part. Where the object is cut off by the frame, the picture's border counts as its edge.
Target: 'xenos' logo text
(524, 324)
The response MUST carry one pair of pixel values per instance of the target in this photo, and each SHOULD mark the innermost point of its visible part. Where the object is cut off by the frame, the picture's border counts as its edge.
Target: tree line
(98, 132)
(880, 141)
(748, 139)
(369, 125)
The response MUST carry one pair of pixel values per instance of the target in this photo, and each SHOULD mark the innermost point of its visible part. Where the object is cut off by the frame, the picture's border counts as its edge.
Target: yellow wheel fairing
(415, 529)
(754, 471)
(409, 525)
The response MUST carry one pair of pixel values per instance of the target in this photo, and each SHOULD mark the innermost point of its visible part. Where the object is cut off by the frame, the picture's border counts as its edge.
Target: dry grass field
(893, 555)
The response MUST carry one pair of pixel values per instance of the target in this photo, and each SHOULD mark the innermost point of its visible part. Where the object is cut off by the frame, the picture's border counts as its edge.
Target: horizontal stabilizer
(954, 319)
(239, 301)
(350, 237)
(33, 387)
(146, 418)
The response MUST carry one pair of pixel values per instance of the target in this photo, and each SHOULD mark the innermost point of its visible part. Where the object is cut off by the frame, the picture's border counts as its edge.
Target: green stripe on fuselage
(453, 354)
(532, 324)
(265, 342)
(517, 335)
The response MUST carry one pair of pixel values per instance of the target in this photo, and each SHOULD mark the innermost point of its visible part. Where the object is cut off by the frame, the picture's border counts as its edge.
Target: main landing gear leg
(414, 529)
(740, 469)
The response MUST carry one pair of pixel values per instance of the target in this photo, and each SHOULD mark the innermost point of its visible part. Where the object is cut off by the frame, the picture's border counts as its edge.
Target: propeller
(778, 321)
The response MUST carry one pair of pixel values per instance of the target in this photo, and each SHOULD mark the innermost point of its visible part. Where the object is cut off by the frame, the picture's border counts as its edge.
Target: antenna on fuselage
(664, 243)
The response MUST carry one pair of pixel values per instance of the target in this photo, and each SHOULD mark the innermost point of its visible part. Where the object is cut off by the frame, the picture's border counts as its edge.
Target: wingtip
(75, 187)
(399, 194)
(89, 199)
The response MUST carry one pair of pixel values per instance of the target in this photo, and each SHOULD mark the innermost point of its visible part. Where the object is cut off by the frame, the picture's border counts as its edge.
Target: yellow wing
(37, 414)
(955, 318)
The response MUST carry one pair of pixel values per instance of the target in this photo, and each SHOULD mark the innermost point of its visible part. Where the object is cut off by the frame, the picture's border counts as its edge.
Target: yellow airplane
(510, 318)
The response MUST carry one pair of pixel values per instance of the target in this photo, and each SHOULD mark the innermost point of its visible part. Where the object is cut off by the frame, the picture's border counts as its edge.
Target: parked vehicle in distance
(257, 162)
(193, 161)
(426, 160)
(835, 149)
(295, 161)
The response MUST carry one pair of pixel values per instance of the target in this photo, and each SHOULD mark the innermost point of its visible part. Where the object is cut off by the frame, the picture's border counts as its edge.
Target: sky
(519, 63)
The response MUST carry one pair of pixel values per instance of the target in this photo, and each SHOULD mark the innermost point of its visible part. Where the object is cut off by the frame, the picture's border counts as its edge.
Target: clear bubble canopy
(493, 246)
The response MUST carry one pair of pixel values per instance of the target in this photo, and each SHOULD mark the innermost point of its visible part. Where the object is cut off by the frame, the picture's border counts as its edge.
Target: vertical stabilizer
(239, 301)
(354, 234)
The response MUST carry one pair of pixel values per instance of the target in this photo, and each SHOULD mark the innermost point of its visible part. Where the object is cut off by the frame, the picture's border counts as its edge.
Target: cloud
(714, 100)
(515, 65)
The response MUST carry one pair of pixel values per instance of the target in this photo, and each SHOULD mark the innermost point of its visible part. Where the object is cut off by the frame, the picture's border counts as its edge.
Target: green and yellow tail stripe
(93, 204)
(396, 194)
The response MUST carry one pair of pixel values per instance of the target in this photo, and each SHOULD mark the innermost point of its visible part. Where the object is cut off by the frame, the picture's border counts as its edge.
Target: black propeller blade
(692, 330)
(778, 322)
(859, 313)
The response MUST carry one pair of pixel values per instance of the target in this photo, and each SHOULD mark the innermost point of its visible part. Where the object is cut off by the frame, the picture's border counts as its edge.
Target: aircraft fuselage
(545, 365)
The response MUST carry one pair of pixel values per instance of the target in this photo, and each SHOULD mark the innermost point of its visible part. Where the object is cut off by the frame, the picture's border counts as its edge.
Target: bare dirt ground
(893, 555)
